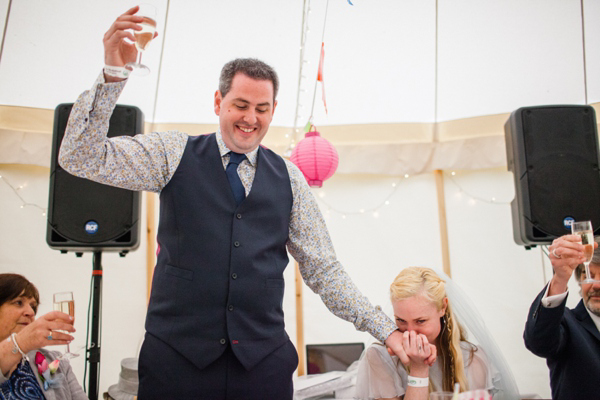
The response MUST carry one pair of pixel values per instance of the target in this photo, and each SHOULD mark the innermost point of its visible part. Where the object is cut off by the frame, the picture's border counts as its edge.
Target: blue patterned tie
(239, 193)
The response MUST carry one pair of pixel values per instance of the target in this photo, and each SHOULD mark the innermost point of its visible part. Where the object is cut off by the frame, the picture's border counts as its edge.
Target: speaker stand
(93, 352)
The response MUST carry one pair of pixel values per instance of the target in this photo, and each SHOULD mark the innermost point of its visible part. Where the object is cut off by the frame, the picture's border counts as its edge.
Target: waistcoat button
(230, 308)
(222, 341)
(239, 216)
(234, 275)
(236, 244)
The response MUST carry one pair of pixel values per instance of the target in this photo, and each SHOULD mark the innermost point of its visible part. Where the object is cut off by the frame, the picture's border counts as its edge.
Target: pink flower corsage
(50, 377)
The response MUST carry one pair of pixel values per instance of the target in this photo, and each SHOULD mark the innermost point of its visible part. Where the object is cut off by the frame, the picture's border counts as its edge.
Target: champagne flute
(585, 230)
(143, 38)
(65, 302)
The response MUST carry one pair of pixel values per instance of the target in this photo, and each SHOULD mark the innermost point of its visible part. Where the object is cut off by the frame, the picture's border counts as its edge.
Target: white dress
(383, 376)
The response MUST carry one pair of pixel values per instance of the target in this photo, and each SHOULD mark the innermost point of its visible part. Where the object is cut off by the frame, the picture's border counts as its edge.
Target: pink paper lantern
(316, 158)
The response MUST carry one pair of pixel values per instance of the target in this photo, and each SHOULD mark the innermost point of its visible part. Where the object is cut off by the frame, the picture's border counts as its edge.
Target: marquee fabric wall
(412, 86)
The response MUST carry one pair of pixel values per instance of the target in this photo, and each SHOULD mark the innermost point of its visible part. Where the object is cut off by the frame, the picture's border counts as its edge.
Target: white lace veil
(468, 316)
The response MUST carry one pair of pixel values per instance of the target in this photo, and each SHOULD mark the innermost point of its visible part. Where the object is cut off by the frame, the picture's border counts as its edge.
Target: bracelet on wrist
(117, 72)
(417, 382)
(16, 349)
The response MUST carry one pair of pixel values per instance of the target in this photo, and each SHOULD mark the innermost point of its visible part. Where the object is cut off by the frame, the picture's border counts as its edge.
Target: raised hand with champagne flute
(125, 41)
(566, 253)
(568, 338)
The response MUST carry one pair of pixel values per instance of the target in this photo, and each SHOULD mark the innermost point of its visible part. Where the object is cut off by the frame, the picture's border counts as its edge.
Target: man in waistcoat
(569, 339)
(229, 212)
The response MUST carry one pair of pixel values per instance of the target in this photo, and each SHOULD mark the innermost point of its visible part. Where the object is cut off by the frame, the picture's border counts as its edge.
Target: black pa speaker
(89, 216)
(553, 154)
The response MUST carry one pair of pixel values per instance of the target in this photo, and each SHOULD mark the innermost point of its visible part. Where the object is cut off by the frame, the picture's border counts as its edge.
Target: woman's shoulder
(473, 349)
(473, 354)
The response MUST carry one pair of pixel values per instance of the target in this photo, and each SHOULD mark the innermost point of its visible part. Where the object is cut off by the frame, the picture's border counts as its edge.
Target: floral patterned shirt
(147, 162)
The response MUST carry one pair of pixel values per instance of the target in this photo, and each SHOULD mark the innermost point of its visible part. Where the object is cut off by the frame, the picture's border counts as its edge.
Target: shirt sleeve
(553, 301)
(309, 243)
(141, 162)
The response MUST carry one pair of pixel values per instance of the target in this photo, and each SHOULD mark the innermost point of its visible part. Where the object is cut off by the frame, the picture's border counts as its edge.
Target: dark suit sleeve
(545, 334)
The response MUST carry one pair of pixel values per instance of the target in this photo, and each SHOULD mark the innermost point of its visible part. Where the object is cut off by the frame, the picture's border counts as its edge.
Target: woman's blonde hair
(424, 281)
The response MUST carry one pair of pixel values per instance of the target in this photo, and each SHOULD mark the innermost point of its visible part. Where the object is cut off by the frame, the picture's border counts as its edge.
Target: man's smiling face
(245, 112)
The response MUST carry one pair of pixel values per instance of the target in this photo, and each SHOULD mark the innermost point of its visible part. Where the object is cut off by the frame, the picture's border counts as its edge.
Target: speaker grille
(553, 153)
(75, 202)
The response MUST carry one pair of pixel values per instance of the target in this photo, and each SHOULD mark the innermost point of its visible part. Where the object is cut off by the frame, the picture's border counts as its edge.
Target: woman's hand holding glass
(44, 331)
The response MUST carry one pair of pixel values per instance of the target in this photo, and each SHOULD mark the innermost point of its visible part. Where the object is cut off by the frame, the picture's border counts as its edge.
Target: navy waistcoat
(219, 274)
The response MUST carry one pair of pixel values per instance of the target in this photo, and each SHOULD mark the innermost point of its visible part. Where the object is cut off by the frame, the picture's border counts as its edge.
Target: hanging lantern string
(312, 109)
(303, 35)
(303, 39)
(23, 202)
(461, 190)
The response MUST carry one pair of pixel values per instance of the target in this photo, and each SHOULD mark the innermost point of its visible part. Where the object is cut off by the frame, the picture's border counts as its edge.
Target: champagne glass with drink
(585, 230)
(143, 38)
(65, 302)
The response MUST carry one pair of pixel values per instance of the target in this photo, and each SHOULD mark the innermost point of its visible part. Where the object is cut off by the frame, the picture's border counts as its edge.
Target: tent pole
(299, 322)
(441, 200)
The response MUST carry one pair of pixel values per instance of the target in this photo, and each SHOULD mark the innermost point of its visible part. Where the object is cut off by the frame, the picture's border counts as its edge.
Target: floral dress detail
(22, 385)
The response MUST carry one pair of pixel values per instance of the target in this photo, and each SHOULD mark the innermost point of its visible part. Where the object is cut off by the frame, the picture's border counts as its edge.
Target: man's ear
(218, 99)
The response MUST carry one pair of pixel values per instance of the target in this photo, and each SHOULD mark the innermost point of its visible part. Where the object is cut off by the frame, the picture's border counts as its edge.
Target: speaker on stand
(553, 154)
(85, 216)
(89, 216)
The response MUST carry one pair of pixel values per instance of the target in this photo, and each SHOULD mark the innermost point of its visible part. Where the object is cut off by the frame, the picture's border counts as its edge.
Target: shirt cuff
(384, 325)
(553, 301)
(104, 96)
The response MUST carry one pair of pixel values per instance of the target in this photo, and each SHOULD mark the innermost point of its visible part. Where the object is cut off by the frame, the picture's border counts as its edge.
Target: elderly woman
(21, 340)
(434, 341)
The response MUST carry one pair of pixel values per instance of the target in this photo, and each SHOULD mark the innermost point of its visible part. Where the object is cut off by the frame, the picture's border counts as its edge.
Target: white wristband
(16, 348)
(117, 72)
(418, 382)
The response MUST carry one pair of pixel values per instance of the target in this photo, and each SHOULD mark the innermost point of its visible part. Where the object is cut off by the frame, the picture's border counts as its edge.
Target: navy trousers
(166, 374)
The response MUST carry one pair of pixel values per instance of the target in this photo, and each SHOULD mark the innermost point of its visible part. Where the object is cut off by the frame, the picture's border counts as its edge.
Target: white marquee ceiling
(397, 72)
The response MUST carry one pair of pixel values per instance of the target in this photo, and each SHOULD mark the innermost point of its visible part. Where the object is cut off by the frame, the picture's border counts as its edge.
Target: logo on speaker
(567, 222)
(91, 227)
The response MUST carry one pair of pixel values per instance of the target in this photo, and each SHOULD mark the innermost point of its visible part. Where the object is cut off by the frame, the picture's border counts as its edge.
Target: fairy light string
(329, 207)
(320, 196)
(24, 203)
(473, 197)
(374, 211)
